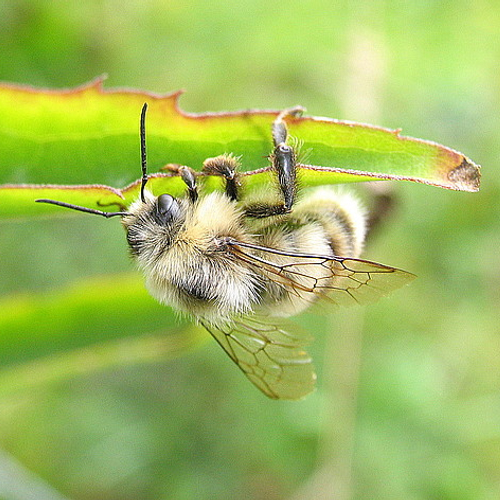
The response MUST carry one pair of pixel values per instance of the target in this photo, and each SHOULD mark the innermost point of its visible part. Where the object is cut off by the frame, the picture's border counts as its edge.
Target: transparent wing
(345, 281)
(273, 359)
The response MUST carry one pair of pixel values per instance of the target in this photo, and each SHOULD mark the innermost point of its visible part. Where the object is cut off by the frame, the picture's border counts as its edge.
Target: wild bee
(239, 268)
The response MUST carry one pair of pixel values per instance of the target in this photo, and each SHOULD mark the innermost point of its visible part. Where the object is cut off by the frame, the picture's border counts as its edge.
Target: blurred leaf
(54, 142)
(145, 348)
(98, 312)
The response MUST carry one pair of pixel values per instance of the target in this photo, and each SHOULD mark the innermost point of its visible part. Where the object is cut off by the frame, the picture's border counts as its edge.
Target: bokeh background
(408, 398)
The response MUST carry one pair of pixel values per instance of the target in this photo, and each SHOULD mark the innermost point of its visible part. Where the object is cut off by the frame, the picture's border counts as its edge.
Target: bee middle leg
(225, 165)
(285, 165)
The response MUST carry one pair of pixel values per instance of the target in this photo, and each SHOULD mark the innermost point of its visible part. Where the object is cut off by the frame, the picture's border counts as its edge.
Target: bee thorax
(207, 286)
(186, 260)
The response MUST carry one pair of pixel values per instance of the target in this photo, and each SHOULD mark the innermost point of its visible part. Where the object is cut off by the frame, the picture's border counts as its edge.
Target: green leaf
(49, 337)
(36, 325)
(53, 143)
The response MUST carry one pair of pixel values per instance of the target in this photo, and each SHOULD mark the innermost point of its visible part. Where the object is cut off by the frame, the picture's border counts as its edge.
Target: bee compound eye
(167, 208)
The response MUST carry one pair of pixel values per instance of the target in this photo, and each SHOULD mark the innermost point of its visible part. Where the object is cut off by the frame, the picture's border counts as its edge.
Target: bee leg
(188, 175)
(279, 130)
(285, 164)
(225, 165)
(283, 157)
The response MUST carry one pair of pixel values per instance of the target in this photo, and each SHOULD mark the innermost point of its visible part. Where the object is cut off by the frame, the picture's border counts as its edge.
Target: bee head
(152, 224)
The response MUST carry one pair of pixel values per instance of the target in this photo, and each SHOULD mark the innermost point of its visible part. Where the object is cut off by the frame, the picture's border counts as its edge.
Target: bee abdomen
(342, 218)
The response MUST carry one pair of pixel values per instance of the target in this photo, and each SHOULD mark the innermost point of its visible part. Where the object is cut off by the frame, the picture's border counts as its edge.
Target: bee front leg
(188, 175)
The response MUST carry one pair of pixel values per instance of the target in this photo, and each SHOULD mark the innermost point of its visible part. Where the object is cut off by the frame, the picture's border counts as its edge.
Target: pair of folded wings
(273, 359)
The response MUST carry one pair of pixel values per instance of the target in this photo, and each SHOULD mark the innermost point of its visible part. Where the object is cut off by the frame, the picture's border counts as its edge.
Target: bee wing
(342, 280)
(360, 281)
(272, 359)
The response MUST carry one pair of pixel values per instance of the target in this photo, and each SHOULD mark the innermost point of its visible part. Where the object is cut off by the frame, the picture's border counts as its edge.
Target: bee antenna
(83, 209)
(143, 151)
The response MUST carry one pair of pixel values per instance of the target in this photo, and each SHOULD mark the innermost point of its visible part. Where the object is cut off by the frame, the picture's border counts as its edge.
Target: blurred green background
(408, 398)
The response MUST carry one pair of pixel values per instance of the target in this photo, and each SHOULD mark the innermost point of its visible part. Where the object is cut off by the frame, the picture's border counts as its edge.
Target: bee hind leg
(284, 162)
(279, 129)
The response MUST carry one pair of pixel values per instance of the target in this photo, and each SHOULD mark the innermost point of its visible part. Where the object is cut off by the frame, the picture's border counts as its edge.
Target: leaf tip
(466, 176)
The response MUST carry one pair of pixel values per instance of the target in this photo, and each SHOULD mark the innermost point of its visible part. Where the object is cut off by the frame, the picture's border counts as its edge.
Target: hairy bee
(239, 269)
